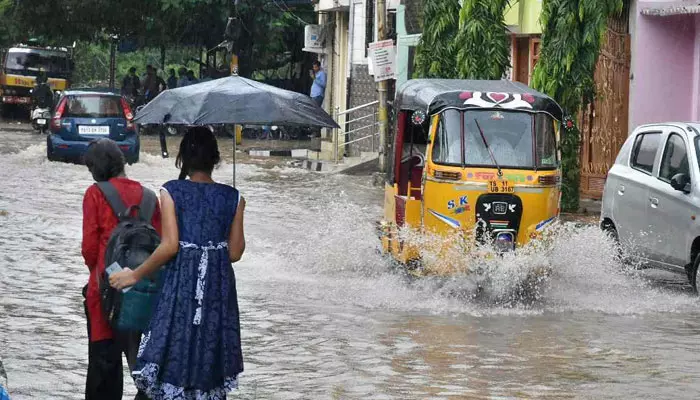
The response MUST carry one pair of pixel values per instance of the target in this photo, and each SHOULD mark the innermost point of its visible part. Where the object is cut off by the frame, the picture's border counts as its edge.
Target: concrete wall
(664, 70)
(363, 90)
(523, 17)
(404, 41)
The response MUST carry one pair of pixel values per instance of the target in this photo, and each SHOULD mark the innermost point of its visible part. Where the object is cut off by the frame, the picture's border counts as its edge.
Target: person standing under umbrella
(192, 348)
(318, 88)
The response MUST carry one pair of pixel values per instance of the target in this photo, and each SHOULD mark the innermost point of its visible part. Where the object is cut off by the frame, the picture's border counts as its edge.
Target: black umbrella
(234, 100)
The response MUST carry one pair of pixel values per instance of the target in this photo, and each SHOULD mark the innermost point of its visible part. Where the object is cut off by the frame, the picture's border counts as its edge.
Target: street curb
(298, 153)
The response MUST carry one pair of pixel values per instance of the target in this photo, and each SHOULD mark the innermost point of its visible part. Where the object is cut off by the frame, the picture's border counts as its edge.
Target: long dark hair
(198, 152)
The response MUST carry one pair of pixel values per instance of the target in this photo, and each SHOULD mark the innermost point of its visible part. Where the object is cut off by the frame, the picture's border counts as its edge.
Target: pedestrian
(183, 81)
(318, 88)
(105, 161)
(192, 348)
(131, 83)
(153, 84)
(149, 83)
(172, 79)
(161, 85)
(191, 78)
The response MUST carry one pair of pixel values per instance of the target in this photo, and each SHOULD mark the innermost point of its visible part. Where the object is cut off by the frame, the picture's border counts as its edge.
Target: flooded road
(323, 315)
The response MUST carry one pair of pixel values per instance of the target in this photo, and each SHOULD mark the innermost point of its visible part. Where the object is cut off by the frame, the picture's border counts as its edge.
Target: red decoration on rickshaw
(569, 123)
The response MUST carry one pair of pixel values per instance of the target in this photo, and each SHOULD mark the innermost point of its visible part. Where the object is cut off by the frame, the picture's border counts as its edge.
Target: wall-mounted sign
(383, 60)
(313, 41)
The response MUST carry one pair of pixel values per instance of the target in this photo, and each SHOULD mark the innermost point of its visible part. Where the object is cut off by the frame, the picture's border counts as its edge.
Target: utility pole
(112, 60)
(382, 89)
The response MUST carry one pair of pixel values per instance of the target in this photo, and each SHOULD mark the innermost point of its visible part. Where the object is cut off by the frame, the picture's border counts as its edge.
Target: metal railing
(371, 124)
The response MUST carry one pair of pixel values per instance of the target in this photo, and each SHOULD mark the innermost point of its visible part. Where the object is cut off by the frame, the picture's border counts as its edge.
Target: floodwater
(324, 316)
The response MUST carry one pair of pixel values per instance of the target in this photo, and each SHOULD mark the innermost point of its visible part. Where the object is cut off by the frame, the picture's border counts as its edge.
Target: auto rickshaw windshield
(518, 140)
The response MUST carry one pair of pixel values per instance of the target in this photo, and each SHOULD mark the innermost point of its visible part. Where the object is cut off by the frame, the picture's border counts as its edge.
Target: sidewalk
(588, 213)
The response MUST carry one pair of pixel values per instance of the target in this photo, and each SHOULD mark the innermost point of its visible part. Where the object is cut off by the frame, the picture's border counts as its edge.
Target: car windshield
(94, 107)
(508, 134)
(55, 64)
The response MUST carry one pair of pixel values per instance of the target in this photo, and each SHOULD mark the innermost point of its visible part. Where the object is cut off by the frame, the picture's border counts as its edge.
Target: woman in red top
(105, 379)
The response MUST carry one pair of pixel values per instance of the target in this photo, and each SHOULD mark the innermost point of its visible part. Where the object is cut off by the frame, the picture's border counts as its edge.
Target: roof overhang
(667, 9)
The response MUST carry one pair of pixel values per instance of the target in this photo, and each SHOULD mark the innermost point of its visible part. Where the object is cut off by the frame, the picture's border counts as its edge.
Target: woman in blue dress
(192, 348)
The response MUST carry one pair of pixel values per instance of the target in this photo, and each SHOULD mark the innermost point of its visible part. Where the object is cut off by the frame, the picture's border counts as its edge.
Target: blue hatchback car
(86, 115)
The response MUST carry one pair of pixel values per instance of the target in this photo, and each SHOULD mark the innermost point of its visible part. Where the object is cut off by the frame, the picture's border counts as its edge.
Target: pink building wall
(665, 70)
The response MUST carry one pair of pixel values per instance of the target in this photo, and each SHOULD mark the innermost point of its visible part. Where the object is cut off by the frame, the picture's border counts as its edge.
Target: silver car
(651, 199)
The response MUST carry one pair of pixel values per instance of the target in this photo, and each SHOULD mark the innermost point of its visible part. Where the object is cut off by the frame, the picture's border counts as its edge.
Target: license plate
(500, 186)
(41, 121)
(93, 130)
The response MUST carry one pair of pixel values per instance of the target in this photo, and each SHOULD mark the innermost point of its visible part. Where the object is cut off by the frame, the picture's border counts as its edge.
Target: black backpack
(131, 242)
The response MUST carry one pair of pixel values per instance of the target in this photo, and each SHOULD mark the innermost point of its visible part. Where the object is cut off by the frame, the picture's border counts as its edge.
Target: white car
(651, 199)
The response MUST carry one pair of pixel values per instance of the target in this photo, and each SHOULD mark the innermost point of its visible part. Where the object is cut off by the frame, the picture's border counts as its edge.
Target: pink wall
(664, 69)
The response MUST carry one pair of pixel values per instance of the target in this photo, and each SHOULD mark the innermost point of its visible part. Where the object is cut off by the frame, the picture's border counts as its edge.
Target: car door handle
(621, 190)
(654, 202)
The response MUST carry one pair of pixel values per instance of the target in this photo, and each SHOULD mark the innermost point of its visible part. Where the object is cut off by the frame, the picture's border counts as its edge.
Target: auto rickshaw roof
(434, 95)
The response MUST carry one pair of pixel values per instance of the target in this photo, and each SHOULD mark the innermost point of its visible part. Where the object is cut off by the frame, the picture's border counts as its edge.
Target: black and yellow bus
(21, 64)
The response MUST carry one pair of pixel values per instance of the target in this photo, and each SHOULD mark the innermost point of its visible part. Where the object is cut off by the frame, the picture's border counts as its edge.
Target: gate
(604, 122)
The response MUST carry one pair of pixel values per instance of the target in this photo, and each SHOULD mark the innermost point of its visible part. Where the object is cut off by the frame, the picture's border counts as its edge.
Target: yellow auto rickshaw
(473, 162)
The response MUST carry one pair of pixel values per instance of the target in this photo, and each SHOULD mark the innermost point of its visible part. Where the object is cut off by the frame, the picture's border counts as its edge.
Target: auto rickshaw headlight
(504, 242)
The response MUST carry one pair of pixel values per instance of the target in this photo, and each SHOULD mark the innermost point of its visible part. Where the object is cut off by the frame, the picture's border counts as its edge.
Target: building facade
(665, 64)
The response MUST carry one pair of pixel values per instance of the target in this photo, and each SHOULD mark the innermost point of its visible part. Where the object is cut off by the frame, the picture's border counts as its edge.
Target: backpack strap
(113, 198)
(148, 205)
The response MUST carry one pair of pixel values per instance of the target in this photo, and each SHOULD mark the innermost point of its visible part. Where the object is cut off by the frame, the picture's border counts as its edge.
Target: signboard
(313, 41)
(383, 60)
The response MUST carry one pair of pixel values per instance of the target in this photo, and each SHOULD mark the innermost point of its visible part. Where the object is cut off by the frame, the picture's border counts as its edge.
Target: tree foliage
(267, 35)
(436, 54)
(166, 23)
(483, 48)
(571, 40)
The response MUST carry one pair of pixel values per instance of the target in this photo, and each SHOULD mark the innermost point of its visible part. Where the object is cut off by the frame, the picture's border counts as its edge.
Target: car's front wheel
(693, 274)
(609, 228)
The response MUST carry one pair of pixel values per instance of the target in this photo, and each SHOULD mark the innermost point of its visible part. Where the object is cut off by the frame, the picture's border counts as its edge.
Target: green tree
(7, 28)
(436, 54)
(483, 50)
(281, 28)
(167, 23)
(571, 40)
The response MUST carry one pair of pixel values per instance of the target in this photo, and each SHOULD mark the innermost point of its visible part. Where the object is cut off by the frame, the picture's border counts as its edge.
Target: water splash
(574, 268)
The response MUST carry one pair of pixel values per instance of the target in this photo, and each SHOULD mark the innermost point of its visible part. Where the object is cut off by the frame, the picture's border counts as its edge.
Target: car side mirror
(681, 182)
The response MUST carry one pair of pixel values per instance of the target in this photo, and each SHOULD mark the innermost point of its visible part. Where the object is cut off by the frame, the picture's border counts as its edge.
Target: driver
(42, 95)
